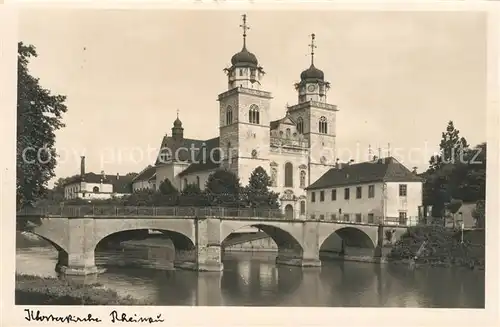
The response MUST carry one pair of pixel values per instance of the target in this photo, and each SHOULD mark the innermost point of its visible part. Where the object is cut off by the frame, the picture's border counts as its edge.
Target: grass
(35, 290)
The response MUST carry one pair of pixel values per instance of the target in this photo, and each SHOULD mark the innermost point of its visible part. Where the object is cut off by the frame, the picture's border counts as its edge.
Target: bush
(34, 290)
(443, 246)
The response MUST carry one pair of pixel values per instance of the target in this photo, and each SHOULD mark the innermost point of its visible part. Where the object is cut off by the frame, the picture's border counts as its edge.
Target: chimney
(82, 166)
(351, 161)
(337, 164)
(375, 158)
(414, 170)
(103, 176)
(117, 176)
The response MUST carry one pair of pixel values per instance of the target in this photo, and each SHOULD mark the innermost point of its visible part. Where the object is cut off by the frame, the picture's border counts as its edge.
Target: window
(274, 177)
(300, 125)
(302, 207)
(241, 71)
(198, 181)
(322, 217)
(185, 183)
(323, 125)
(346, 217)
(334, 195)
(333, 217)
(302, 179)
(229, 115)
(402, 189)
(402, 217)
(370, 218)
(313, 216)
(288, 133)
(95, 189)
(288, 175)
(346, 194)
(313, 196)
(253, 114)
(358, 217)
(371, 191)
(322, 196)
(358, 192)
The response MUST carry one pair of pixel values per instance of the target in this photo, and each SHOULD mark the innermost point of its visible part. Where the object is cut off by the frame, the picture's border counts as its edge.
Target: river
(253, 279)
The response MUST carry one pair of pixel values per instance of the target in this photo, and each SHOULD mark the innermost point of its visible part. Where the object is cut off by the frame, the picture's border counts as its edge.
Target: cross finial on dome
(313, 46)
(245, 27)
(177, 113)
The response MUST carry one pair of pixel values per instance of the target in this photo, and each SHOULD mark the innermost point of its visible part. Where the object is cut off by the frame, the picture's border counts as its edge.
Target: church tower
(315, 118)
(244, 115)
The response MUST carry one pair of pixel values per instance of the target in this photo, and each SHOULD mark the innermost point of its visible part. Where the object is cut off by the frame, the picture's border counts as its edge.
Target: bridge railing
(143, 211)
(363, 219)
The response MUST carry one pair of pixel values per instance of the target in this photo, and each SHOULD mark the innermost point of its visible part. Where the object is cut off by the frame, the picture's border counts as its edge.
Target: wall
(191, 178)
(353, 206)
(409, 203)
(141, 185)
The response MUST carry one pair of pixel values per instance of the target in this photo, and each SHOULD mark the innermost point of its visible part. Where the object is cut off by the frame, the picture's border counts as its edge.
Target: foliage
(257, 192)
(193, 196)
(34, 290)
(457, 173)
(443, 246)
(223, 189)
(479, 214)
(167, 188)
(39, 115)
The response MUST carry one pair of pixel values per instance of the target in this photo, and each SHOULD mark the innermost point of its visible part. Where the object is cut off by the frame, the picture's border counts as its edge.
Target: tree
(452, 148)
(444, 176)
(223, 188)
(167, 188)
(257, 192)
(39, 115)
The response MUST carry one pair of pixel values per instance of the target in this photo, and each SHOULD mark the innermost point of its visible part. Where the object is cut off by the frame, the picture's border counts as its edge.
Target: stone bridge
(198, 237)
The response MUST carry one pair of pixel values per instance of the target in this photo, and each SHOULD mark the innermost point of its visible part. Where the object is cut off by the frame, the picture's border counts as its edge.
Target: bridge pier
(208, 247)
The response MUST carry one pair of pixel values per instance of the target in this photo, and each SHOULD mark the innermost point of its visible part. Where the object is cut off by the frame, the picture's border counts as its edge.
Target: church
(295, 150)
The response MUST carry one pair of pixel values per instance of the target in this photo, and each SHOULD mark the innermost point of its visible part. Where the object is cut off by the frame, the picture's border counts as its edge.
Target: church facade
(295, 150)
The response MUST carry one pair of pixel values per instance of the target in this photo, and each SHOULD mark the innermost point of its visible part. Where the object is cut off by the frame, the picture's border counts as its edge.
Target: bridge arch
(179, 240)
(284, 239)
(351, 236)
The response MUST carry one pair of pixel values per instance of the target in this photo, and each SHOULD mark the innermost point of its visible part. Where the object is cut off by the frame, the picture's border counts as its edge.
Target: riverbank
(440, 247)
(35, 290)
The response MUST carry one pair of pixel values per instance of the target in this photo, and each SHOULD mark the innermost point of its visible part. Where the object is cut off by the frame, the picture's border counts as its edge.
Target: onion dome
(244, 58)
(177, 122)
(312, 74)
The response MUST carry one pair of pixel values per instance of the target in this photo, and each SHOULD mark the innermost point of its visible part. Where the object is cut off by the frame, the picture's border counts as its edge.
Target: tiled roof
(121, 184)
(170, 146)
(146, 174)
(381, 170)
(212, 160)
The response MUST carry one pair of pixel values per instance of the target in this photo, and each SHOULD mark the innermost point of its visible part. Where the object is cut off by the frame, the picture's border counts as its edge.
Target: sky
(396, 77)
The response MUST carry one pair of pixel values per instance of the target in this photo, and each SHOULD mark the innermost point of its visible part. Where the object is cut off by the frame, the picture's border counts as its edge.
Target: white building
(367, 192)
(295, 150)
(91, 186)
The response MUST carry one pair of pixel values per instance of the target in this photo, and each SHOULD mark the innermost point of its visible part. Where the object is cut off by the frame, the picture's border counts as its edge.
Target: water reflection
(254, 280)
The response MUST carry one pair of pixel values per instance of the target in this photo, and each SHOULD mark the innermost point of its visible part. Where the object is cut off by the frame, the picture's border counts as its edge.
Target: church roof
(169, 146)
(121, 184)
(244, 58)
(146, 174)
(312, 74)
(211, 160)
(381, 170)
